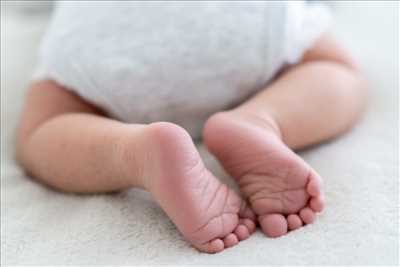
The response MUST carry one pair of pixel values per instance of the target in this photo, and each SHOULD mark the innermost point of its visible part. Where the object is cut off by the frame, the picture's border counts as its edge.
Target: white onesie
(174, 61)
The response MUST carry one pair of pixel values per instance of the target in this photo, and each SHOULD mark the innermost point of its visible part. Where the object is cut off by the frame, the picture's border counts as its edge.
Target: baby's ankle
(165, 148)
(263, 120)
(131, 156)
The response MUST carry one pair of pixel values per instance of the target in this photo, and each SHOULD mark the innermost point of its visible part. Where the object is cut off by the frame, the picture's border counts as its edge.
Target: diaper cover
(178, 61)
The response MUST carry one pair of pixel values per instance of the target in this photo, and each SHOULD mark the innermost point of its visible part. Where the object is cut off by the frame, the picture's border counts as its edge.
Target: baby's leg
(309, 103)
(69, 145)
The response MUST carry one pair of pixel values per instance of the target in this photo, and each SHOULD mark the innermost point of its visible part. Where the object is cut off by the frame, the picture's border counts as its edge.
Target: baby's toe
(244, 229)
(246, 211)
(242, 232)
(317, 203)
(307, 215)
(230, 240)
(314, 187)
(273, 225)
(250, 224)
(294, 221)
(213, 246)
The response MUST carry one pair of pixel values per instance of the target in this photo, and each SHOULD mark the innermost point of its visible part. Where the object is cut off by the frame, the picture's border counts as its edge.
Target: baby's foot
(282, 189)
(209, 214)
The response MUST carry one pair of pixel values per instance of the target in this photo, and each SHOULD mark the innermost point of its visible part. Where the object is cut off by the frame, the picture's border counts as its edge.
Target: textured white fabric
(360, 170)
(174, 61)
(305, 22)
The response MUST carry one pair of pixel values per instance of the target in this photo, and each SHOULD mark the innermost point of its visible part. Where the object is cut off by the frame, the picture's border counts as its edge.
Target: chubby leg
(309, 103)
(69, 145)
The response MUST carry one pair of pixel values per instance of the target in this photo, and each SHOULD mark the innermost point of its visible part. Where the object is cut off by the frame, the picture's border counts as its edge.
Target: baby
(122, 88)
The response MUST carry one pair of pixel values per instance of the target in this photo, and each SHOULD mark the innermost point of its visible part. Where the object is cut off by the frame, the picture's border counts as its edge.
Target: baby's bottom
(68, 144)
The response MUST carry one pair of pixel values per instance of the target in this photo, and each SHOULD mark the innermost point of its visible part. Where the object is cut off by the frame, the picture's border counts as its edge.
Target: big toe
(273, 225)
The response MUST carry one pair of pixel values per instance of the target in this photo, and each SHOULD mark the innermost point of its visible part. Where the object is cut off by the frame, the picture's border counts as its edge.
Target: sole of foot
(283, 190)
(210, 215)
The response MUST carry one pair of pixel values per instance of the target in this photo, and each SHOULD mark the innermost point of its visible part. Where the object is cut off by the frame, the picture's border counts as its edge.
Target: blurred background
(360, 226)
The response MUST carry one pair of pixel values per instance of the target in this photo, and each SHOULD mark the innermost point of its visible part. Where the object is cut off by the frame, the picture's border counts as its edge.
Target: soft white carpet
(360, 225)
